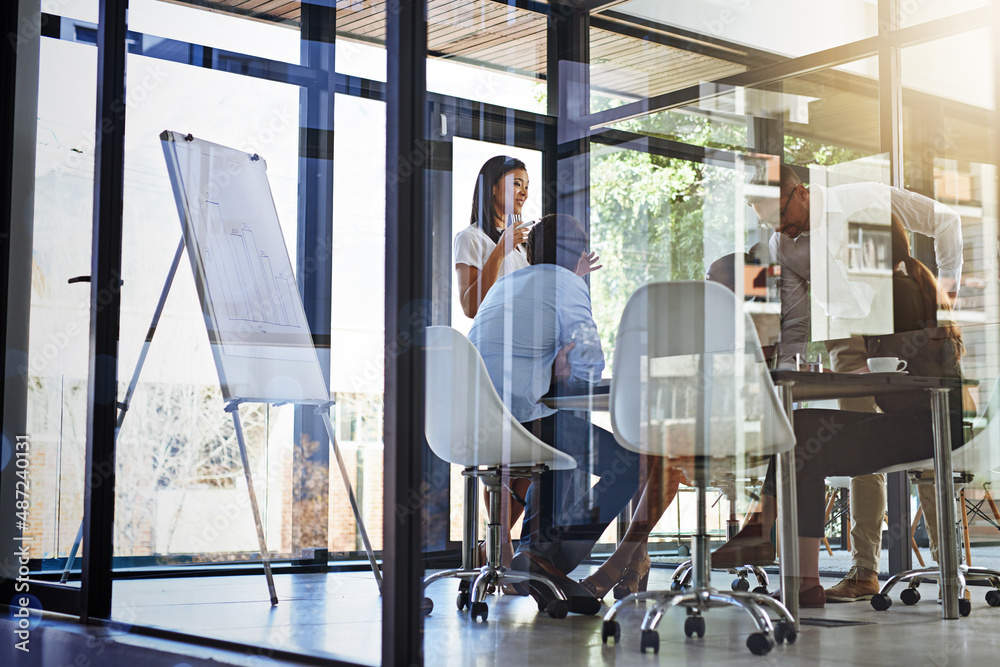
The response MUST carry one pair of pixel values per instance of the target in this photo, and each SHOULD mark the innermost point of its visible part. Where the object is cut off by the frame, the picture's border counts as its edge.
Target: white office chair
(689, 382)
(980, 454)
(467, 424)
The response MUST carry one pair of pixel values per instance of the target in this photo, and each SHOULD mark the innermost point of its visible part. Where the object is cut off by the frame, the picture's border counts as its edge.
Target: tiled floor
(338, 615)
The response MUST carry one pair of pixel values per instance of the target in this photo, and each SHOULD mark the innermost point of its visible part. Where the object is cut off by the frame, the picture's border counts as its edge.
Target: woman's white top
(473, 247)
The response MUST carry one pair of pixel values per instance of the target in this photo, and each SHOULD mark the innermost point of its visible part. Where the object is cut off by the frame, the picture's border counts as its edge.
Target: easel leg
(324, 412)
(233, 408)
(72, 555)
(124, 404)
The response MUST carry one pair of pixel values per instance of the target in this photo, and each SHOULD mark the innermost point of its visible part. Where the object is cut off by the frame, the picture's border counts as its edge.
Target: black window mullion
(407, 278)
(105, 310)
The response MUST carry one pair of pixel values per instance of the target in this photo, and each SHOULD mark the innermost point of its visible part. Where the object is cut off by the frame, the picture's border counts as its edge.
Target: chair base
(475, 582)
(681, 578)
(701, 597)
(911, 595)
(696, 601)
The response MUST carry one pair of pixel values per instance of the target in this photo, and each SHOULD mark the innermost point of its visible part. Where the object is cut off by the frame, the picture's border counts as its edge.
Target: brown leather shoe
(809, 598)
(859, 584)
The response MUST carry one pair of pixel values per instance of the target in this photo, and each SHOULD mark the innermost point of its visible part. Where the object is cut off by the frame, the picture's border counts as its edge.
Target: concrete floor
(339, 616)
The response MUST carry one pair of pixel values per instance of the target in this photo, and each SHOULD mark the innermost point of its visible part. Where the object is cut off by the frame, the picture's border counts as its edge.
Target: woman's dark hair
(933, 298)
(482, 197)
(556, 239)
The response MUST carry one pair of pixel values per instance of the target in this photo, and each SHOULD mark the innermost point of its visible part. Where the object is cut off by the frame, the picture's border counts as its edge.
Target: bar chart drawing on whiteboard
(244, 274)
(257, 327)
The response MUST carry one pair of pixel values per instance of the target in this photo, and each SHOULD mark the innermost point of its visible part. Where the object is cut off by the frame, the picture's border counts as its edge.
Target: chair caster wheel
(993, 598)
(783, 632)
(881, 602)
(762, 590)
(462, 601)
(910, 596)
(543, 604)
(611, 629)
(759, 643)
(741, 585)
(649, 639)
(964, 607)
(557, 608)
(694, 625)
(427, 606)
(479, 610)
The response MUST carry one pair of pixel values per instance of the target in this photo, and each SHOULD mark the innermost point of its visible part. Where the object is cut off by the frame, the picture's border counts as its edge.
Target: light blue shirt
(525, 319)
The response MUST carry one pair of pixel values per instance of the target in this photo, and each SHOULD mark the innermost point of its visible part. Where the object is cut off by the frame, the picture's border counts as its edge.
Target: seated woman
(627, 568)
(840, 443)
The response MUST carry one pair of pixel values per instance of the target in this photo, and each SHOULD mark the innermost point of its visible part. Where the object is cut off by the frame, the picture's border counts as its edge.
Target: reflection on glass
(778, 26)
(949, 139)
(195, 463)
(482, 50)
(912, 13)
(270, 36)
(848, 242)
(625, 68)
(954, 70)
(59, 319)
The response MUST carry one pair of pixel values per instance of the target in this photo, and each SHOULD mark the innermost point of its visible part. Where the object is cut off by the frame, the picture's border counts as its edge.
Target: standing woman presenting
(490, 247)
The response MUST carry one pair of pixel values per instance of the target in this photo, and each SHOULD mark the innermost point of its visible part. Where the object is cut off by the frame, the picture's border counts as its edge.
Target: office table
(797, 386)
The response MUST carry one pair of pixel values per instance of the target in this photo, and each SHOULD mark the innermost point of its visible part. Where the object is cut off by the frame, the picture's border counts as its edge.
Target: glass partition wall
(191, 462)
(401, 142)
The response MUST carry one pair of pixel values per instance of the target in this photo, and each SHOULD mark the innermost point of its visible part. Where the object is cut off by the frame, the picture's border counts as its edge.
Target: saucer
(903, 372)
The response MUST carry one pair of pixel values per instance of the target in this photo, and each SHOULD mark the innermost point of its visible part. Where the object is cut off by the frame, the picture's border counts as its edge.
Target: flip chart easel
(257, 328)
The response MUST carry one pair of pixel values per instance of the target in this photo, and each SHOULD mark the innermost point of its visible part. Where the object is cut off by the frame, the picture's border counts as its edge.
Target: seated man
(535, 325)
(840, 442)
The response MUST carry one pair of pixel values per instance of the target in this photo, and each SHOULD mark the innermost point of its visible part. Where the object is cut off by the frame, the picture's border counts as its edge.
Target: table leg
(788, 519)
(945, 485)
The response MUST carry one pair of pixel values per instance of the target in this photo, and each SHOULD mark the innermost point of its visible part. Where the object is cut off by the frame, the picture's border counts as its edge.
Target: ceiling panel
(495, 35)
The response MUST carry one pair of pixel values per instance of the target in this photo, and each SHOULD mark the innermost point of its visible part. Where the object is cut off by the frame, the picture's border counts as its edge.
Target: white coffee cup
(886, 364)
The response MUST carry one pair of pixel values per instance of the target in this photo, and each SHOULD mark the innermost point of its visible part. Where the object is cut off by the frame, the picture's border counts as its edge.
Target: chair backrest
(979, 454)
(466, 423)
(689, 377)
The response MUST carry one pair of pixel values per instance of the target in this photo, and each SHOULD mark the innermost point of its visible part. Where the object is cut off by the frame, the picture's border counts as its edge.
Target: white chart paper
(256, 324)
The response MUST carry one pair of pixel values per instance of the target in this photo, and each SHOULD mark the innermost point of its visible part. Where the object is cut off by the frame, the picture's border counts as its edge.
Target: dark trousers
(565, 513)
(834, 443)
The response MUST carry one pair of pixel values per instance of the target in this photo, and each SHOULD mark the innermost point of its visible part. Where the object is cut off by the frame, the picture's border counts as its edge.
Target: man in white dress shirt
(800, 215)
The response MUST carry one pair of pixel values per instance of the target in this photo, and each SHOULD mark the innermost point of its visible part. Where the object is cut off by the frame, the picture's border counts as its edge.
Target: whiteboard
(256, 324)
